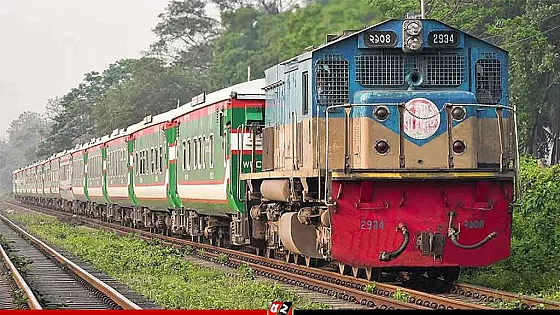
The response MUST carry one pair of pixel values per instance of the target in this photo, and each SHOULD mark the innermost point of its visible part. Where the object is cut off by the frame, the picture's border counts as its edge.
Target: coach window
(152, 160)
(111, 162)
(146, 162)
(188, 158)
(204, 151)
(211, 149)
(136, 166)
(161, 159)
(200, 154)
(119, 162)
(195, 159)
(184, 155)
(305, 93)
(114, 162)
(143, 169)
(156, 161)
(140, 162)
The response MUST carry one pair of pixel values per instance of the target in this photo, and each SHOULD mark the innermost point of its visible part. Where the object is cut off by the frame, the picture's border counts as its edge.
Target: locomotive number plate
(369, 225)
(443, 39)
(380, 38)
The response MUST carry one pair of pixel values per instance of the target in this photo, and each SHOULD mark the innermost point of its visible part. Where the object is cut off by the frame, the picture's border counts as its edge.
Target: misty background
(48, 45)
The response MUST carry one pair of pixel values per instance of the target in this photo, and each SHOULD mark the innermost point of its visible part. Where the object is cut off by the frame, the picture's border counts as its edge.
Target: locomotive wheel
(451, 274)
(358, 272)
(296, 258)
(342, 268)
(373, 274)
(287, 256)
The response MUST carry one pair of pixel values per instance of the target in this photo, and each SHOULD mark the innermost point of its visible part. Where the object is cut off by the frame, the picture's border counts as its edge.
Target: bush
(533, 264)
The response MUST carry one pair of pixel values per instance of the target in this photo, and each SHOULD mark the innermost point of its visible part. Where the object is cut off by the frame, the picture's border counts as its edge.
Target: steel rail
(99, 285)
(381, 289)
(483, 293)
(20, 282)
(333, 289)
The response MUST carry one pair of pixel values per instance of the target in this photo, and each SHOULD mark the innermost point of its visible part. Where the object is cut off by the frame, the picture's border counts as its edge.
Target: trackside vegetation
(158, 272)
(533, 265)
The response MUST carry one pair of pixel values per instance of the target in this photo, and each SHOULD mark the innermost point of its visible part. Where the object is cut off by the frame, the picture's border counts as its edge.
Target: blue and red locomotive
(392, 148)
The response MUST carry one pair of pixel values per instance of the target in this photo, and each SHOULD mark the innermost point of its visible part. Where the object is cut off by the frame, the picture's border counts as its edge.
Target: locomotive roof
(351, 34)
(252, 88)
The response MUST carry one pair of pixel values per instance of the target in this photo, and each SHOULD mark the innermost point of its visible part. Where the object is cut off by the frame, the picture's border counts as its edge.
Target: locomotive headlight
(458, 113)
(382, 147)
(381, 113)
(414, 43)
(412, 36)
(459, 146)
(413, 28)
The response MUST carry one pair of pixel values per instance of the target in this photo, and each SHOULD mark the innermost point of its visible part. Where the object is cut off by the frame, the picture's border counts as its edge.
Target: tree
(24, 135)
(255, 38)
(183, 25)
(150, 88)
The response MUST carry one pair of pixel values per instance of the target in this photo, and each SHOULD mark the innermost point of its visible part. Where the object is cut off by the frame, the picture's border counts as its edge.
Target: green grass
(160, 273)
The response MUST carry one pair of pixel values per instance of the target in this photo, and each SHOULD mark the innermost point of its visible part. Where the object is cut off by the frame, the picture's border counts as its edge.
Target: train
(387, 150)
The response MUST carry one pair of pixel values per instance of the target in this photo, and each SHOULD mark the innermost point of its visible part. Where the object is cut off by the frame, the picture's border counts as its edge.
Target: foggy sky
(46, 46)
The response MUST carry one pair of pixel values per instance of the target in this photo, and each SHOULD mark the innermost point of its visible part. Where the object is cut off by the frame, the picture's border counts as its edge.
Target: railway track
(354, 290)
(53, 281)
(12, 285)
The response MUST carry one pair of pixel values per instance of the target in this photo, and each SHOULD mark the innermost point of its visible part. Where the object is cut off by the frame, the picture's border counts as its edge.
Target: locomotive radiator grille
(383, 70)
(441, 70)
(380, 70)
(488, 79)
(332, 80)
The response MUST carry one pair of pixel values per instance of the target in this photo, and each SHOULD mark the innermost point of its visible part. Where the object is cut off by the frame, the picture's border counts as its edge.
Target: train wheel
(373, 274)
(269, 253)
(451, 274)
(287, 256)
(342, 268)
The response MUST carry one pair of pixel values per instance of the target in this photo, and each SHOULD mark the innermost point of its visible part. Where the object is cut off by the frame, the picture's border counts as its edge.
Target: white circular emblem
(421, 118)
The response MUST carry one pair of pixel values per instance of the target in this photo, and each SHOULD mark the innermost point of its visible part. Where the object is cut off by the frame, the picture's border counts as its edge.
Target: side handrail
(240, 159)
(499, 108)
